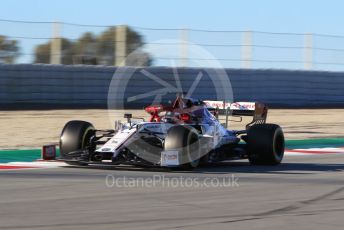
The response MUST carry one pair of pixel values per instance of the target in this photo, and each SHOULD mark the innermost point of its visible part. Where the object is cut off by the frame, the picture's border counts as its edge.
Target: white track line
(315, 151)
(56, 164)
(34, 165)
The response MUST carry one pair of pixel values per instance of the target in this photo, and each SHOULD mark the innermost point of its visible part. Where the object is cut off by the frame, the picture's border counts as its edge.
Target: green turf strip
(26, 155)
(315, 143)
(29, 155)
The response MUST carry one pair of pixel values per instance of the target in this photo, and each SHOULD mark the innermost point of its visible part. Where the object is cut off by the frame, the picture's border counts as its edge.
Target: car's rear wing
(257, 110)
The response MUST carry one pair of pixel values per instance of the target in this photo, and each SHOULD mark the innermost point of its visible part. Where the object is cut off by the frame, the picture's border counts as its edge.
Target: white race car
(184, 134)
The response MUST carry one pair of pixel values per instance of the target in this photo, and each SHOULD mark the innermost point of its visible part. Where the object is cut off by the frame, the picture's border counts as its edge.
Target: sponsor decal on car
(243, 106)
(169, 158)
(232, 106)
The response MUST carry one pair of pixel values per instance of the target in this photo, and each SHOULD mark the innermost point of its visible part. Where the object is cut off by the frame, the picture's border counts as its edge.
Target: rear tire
(75, 136)
(265, 144)
(186, 141)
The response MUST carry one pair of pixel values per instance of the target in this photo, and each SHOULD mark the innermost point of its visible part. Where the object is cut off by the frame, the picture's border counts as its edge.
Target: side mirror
(128, 115)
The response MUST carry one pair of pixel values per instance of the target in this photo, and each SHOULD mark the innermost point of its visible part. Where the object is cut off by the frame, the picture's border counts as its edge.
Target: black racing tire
(265, 144)
(75, 136)
(184, 139)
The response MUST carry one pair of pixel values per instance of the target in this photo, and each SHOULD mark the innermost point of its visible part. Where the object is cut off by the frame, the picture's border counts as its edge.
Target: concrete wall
(44, 86)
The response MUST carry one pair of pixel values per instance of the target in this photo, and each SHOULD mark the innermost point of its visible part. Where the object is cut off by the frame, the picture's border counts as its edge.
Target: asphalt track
(305, 192)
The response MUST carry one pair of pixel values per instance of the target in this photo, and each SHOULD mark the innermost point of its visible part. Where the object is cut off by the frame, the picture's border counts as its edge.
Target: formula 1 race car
(185, 134)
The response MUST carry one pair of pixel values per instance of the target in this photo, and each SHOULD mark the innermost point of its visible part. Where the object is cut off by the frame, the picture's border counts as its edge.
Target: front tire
(185, 140)
(75, 137)
(265, 144)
